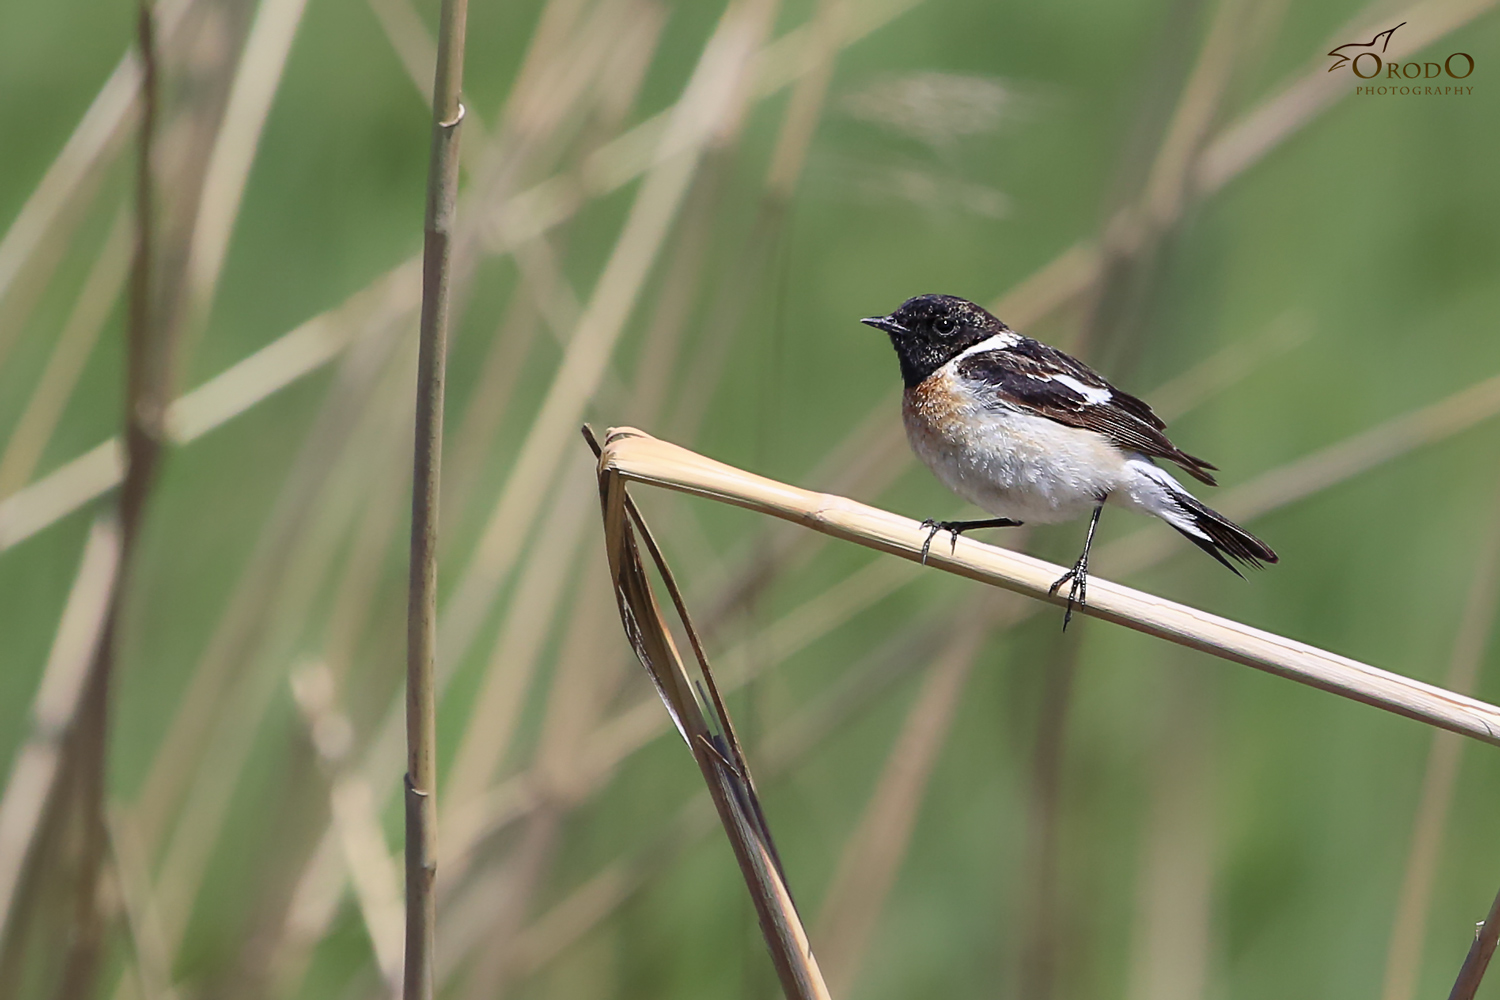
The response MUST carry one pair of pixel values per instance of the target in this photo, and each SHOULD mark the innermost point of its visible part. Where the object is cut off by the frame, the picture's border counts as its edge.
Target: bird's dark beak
(885, 323)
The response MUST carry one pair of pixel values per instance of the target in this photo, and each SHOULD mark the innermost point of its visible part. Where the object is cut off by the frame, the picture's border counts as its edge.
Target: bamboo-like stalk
(421, 615)
(417, 50)
(633, 455)
(319, 884)
(147, 360)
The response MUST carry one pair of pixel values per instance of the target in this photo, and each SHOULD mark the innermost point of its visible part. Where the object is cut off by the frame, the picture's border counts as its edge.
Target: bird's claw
(1077, 593)
(933, 527)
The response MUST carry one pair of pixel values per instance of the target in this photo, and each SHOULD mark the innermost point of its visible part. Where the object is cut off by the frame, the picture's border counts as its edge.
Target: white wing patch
(1094, 394)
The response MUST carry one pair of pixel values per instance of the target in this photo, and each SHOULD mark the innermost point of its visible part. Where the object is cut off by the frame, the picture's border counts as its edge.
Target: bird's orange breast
(936, 408)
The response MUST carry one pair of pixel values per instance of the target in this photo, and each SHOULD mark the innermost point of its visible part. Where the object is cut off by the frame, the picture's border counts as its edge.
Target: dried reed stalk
(301, 546)
(225, 174)
(518, 649)
(492, 720)
(377, 885)
(633, 455)
(1486, 935)
(238, 388)
(69, 354)
(716, 92)
(417, 50)
(632, 728)
(779, 750)
(147, 360)
(49, 211)
(692, 700)
(32, 786)
(321, 881)
(149, 952)
(421, 615)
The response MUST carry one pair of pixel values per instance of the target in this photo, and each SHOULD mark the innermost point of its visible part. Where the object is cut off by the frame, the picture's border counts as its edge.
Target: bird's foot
(1078, 593)
(956, 528)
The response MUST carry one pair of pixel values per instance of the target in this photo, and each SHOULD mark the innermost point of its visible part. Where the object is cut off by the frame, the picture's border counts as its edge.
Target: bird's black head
(929, 330)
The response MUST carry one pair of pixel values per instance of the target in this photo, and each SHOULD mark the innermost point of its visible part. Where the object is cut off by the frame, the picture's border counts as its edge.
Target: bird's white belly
(1011, 464)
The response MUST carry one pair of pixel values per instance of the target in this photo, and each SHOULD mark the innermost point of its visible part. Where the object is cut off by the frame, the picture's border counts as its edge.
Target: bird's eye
(943, 325)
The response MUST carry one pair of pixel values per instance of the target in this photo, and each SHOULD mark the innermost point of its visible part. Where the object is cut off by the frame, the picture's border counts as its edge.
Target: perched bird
(1028, 433)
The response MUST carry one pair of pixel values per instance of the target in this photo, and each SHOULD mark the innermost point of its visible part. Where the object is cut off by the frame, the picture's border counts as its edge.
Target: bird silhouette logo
(1352, 51)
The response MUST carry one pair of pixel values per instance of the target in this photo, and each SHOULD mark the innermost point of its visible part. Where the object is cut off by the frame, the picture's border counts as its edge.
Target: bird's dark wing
(1043, 380)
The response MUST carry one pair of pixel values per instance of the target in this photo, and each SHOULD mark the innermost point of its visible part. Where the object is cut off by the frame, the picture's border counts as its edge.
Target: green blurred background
(1106, 815)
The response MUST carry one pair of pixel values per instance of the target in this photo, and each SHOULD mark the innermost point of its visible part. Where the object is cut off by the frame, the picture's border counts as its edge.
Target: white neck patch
(998, 342)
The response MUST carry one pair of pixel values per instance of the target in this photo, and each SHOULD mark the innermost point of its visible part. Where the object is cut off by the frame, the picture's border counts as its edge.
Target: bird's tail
(1203, 526)
(1218, 535)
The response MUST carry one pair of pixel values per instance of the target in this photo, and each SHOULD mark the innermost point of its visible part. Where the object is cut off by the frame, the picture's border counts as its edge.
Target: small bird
(1028, 433)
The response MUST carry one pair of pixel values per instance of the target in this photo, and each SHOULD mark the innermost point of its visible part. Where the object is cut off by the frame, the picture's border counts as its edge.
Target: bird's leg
(1079, 574)
(956, 528)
